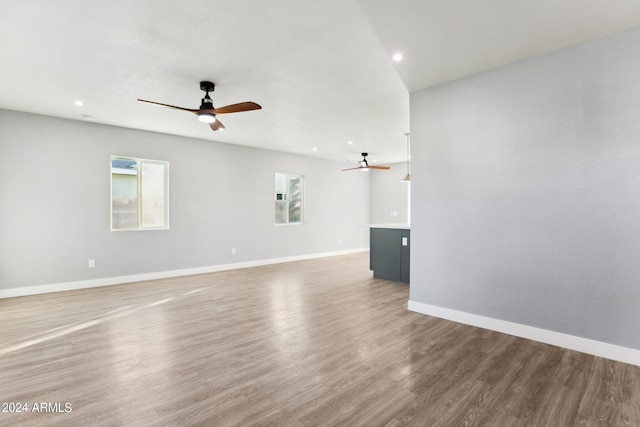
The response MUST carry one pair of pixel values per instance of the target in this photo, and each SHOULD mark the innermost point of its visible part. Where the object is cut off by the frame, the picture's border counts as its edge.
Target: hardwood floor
(310, 343)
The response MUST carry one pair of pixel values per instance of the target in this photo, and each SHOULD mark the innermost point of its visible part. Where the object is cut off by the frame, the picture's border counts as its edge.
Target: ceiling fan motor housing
(363, 162)
(207, 103)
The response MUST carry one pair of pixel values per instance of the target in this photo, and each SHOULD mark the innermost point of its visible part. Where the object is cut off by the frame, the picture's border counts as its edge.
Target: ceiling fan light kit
(206, 117)
(207, 113)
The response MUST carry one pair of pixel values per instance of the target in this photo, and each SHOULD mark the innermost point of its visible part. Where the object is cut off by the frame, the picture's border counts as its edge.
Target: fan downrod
(207, 86)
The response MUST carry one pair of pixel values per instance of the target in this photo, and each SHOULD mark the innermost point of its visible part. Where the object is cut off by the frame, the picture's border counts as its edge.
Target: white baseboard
(584, 345)
(108, 281)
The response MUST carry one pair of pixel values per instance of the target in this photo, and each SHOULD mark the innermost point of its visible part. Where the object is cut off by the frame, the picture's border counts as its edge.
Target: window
(139, 194)
(288, 198)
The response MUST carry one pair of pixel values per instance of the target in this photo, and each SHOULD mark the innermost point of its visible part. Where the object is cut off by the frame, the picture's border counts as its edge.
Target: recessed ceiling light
(79, 103)
(397, 57)
(349, 142)
(314, 149)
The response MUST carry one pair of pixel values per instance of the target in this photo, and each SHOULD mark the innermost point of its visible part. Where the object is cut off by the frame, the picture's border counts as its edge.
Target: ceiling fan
(207, 113)
(364, 165)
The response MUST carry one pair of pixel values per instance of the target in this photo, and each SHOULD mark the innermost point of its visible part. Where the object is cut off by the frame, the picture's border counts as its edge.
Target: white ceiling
(321, 70)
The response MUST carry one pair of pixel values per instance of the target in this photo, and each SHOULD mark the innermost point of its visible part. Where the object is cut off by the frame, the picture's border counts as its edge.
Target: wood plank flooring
(310, 343)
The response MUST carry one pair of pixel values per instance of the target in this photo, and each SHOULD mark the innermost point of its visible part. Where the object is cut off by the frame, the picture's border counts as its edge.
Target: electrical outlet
(91, 263)
(394, 213)
(233, 251)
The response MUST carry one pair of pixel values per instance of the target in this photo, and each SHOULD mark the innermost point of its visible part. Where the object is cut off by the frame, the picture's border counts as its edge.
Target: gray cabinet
(389, 253)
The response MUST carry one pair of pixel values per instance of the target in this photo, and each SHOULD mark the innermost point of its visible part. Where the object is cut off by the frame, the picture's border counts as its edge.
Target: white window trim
(304, 193)
(166, 193)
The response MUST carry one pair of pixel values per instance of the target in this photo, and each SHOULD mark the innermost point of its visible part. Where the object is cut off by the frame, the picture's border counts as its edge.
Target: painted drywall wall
(54, 187)
(389, 195)
(526, 192)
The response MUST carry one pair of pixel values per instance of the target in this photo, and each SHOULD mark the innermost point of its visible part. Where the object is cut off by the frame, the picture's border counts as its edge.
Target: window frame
(139, 193)
(288, 177)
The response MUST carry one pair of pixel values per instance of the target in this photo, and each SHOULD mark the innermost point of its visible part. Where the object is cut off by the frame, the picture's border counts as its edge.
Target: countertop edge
(392, 225)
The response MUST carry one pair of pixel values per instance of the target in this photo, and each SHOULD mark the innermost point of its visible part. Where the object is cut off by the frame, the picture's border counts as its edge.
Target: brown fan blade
(369, 167)
(217, 125)
(237, 108)
(170, 106)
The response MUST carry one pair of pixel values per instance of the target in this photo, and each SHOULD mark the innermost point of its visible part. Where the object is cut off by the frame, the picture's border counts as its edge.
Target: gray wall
(54, 187)
(526, 192)
(388, 194)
